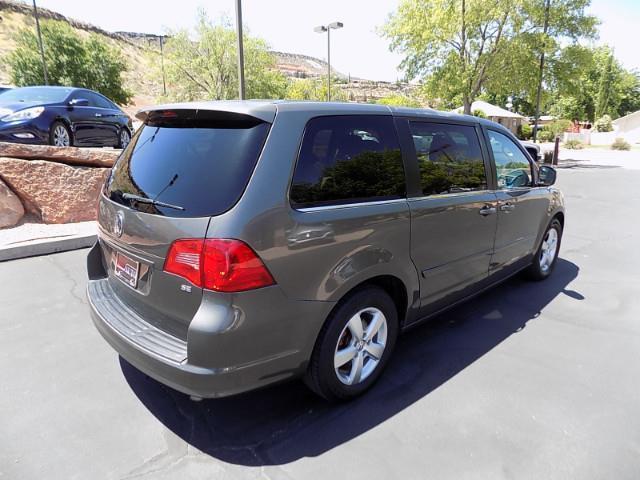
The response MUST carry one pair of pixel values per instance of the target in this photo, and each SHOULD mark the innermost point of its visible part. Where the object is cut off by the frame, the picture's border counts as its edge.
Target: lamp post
(241, 91)
(44, 64)
(322, 29)
(164, 82)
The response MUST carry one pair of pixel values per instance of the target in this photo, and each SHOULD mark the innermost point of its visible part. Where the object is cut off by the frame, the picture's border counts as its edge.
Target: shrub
(478, 113)
(620, 144)
(573, 144)
(545, 135)
(525, 131)
(557, 127)
(603, 124)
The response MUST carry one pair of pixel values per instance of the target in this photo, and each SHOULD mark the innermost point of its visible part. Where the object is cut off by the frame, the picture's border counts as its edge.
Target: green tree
(314, 89)
(71, 60)
(604, 91)
(204, 65)
(400, 100)
(464, 47)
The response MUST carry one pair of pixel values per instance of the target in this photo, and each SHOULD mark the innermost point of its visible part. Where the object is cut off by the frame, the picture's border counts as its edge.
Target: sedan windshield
(36, 94)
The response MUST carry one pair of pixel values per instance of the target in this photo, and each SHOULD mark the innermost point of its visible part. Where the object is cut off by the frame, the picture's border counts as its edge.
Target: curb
(46, 246)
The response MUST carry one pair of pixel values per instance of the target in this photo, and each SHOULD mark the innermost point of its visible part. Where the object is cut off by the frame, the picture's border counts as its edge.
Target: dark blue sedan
(62, 116)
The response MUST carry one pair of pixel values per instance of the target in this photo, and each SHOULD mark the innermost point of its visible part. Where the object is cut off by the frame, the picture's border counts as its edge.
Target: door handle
(487, 210)
(507, 207)
(98, 114)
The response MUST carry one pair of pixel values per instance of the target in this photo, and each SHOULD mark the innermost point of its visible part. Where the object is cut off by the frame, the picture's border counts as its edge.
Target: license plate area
(126, 269)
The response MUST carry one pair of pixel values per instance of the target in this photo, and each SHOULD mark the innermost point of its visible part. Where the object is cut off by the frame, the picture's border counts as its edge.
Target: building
(628, 127)
(510, 120)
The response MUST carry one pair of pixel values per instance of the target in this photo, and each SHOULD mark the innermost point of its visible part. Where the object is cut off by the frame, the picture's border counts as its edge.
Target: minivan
(244, 243)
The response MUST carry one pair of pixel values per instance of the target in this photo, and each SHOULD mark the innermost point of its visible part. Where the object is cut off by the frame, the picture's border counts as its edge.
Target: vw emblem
(118, 224)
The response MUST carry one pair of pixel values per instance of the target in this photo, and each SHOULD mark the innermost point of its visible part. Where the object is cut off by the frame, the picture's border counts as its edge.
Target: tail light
(220, 264)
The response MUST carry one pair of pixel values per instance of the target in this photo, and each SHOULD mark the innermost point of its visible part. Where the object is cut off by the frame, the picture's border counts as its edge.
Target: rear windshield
(189, 163)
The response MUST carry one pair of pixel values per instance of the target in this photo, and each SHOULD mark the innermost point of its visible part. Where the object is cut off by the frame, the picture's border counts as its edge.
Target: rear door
(521, 205)
(107, 120)
(453, 213)
(197, 161)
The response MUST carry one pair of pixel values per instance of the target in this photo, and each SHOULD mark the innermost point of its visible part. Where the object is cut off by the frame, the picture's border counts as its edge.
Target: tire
(124, 132)
(541, 266)
(337, 334)
(60, 135)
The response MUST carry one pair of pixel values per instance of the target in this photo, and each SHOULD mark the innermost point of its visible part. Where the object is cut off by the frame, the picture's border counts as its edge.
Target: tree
(71, 60)
(313, 89)
(604, 91)
(400, 100)
(464, 47)
(204, 66)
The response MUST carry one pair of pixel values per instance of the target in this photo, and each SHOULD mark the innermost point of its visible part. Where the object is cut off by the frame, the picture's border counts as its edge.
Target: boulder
(89, 157)
(11, 209)
(55, 192)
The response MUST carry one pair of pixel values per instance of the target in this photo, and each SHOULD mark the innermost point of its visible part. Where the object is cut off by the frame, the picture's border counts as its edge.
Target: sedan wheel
(60, 136)
(125, 138)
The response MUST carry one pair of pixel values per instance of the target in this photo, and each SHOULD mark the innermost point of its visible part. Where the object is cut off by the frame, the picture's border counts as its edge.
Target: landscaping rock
(55, 192)
(89, 157)
(11, 209)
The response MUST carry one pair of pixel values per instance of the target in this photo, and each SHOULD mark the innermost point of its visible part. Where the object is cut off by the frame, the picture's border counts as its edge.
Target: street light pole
(322, 29)
(539, 92)
(44, 64)
(241, 90)
(164, 82)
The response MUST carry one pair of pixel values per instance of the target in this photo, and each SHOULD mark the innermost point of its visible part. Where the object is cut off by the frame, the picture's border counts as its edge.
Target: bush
(71, 60)
(603, 124)
(545, 135)
(558, 127)
(573, 144)
(400, 100)
(478, 113)
(525, 131)
(620, 144)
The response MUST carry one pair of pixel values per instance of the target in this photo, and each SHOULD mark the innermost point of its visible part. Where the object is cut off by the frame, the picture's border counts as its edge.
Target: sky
(287, 25)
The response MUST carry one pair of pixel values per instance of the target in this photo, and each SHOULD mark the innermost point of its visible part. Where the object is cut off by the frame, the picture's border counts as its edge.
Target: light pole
(164, 82)
(241, 90)
(322, 29)
(44, 64)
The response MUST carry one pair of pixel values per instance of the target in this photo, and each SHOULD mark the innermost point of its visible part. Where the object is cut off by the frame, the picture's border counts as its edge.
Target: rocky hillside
(141, 50)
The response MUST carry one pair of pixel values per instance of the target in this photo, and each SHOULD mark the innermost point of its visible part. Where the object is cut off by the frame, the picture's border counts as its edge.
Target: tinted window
(512, 166)
(200, 161)
(449, 157)
(103, 102)
(348, 159)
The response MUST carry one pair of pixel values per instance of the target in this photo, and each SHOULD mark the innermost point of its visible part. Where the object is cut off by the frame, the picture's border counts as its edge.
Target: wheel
(354, 345)
(60, 136)
(124, 138)
(545, 258)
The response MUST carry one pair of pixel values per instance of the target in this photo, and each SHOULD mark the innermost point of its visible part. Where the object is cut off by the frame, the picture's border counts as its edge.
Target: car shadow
(283, 423)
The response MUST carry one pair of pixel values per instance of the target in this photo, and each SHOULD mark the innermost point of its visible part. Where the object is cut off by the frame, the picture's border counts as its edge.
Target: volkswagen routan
(245, 243)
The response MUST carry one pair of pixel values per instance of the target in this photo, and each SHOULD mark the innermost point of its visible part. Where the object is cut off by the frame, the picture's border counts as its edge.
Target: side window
(96, 100)
(512, 166)
(348, 159)
(449, 157)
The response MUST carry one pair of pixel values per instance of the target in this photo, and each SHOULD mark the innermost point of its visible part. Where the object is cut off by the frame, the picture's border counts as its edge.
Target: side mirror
(547, 176)
(79, 102)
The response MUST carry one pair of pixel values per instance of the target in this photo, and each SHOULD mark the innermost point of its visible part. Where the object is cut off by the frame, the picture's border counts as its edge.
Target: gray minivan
(245, 243)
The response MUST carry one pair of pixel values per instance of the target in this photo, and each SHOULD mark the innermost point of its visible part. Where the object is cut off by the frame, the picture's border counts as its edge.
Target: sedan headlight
(26, 114)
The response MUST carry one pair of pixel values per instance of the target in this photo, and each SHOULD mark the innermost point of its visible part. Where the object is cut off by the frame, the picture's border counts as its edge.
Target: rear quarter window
(199, 161)
(348, 159)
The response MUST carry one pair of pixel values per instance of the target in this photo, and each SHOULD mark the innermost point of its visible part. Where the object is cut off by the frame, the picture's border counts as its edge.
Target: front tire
(124, 137)
(354, 345)
(546, 257)
(60, 135)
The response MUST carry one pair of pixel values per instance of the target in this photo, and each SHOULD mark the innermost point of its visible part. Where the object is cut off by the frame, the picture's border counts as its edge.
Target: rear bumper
(181, 364)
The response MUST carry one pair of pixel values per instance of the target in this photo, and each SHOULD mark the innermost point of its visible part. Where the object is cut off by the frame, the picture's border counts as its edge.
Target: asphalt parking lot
(530, 380)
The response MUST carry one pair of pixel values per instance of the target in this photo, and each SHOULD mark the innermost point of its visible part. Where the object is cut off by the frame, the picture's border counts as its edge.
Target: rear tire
(545, 259)
(354, 345)
(60, 135)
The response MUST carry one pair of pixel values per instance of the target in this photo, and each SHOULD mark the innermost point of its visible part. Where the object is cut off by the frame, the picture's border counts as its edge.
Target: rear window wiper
(150, 201)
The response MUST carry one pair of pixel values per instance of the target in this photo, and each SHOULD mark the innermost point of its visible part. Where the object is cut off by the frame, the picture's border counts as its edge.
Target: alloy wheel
(549, 249)
(61, 136)
(361, 345)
